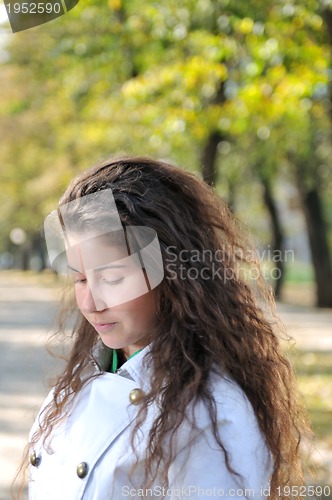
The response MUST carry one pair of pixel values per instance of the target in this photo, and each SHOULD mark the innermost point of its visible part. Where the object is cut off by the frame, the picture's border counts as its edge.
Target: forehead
(96, 213)
(95, 252)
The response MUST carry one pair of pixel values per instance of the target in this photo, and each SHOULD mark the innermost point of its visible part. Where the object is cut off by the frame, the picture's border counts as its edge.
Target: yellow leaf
(245, 26)
(115, 4)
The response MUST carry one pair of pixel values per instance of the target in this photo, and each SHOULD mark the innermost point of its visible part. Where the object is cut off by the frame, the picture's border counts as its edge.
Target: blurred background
(238, 91)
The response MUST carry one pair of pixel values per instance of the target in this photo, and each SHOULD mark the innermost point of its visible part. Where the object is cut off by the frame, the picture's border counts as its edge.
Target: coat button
(136, 396)
(82, 470)
(34, 459)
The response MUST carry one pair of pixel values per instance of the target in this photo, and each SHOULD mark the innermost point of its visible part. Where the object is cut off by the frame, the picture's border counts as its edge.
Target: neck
(130, 350)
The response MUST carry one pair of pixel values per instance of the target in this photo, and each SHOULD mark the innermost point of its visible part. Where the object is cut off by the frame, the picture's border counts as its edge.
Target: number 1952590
(34, 8)
(303, 491)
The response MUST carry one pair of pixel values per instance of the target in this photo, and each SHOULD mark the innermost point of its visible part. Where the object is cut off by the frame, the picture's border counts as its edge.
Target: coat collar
(137, 368)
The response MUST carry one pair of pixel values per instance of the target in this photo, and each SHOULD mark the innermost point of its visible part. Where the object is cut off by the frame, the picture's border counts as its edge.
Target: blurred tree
(308, 133)
(286, 96)
(198, 81)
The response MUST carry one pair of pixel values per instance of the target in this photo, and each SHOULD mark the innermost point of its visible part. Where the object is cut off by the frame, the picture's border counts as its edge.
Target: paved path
(27, 313)
(311, 328)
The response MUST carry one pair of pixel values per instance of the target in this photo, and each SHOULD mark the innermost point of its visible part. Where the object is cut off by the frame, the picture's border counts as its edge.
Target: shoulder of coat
(228, 394)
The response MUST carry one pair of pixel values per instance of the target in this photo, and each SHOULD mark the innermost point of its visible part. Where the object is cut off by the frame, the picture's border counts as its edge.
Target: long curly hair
(207, 320)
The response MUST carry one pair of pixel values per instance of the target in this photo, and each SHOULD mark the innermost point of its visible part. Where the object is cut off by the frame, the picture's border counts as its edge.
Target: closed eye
(80, 280)
(113, 282)
(77, 277)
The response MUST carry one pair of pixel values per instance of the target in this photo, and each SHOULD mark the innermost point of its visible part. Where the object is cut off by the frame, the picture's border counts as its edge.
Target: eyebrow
(101, 268)
(109, 266)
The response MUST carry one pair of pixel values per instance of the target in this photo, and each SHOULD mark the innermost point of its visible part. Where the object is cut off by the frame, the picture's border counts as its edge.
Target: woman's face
(112, 294)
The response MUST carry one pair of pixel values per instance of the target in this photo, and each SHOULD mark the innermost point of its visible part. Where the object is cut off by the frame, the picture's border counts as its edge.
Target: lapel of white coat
(104, 409)
(101, 413)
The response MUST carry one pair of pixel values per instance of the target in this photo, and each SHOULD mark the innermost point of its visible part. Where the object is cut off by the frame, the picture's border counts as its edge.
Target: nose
(89, 301)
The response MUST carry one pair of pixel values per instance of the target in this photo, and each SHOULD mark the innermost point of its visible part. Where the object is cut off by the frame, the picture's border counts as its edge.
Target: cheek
(146, 308)
(79, 297)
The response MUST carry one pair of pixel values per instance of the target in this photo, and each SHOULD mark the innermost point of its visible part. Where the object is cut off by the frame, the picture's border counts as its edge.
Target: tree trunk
(39, 249)
(317, 228)
(231, 195)
(278, 236)
(25, 256)
(317, 234)
(327, 16)
(209, 157)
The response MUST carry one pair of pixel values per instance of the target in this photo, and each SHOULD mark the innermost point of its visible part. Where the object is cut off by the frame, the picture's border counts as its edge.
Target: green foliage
(144, 77)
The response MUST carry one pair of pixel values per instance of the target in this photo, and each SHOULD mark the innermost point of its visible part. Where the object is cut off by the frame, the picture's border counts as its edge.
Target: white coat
(94, 443)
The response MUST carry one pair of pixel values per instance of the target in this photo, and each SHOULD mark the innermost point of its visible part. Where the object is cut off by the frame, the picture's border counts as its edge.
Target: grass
(299, 286)
(299, 272)
(314, 376)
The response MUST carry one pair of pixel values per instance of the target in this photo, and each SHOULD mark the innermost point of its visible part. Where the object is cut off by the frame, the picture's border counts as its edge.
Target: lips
(102, 327)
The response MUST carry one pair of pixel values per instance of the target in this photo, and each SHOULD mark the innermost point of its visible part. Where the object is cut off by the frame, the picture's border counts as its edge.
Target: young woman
(176, 386)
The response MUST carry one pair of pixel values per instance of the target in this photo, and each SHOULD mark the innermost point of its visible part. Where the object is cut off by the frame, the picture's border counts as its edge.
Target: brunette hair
(203, 325)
